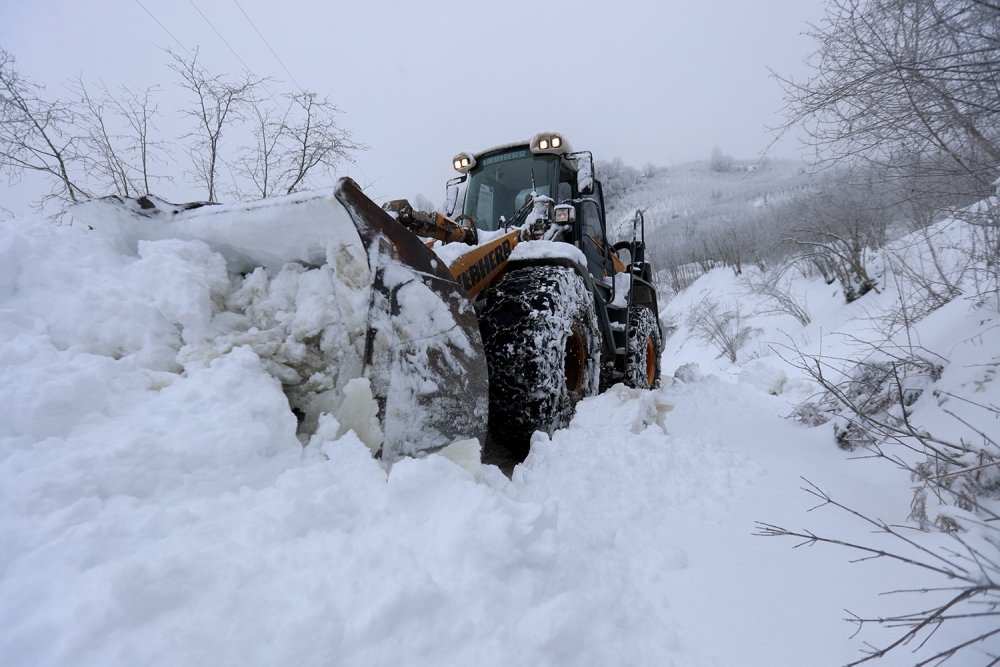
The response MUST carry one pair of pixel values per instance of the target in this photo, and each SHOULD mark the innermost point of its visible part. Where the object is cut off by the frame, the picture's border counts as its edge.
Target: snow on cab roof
(501, 147)
(525, 143)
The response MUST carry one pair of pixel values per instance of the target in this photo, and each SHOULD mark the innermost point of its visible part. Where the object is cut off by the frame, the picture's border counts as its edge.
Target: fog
(649, 82)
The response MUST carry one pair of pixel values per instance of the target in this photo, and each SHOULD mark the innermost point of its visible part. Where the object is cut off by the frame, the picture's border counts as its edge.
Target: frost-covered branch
(977, 597)
(218, 103)
(725, 330)
(908, 85)
(36, 135)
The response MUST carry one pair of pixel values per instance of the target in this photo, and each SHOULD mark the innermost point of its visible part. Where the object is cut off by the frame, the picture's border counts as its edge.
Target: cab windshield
(502, 182)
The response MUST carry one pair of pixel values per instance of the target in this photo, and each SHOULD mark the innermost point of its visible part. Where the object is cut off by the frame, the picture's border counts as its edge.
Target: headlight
(463, 162)
(565, 214)
(549, 142)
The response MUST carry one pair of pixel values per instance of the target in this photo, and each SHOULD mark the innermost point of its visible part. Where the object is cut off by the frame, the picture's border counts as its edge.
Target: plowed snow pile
(157, 508)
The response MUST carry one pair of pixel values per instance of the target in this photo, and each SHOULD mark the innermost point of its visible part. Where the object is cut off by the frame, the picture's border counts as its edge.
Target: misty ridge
(768, 213)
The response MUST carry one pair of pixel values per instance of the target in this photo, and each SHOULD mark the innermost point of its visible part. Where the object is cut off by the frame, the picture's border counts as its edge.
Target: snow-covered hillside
(684, 197)
(156, 506)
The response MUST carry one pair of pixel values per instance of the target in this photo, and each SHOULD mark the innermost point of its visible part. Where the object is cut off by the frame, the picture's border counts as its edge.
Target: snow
(622, 286)
(449, 252)
(536, 250)
(767, 375)
(287, 277)
(158, 508)
(524, 250)
(272, 232)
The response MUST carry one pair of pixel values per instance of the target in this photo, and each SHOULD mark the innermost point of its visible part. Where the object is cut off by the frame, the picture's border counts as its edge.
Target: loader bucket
(423, 353)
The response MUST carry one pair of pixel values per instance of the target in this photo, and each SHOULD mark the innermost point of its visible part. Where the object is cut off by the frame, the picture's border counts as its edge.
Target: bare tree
(720, 161)
(137, 108)
(260, 164)
(292, 144)
(316, 140)
(871, 407)
(422, 203)
(727, 247)
(101, 141)
(841, 225)
(218, 103)
(36, 135)
(617, 178)
(117, 136)
(782, 300)
(910, 85)
(725, 330)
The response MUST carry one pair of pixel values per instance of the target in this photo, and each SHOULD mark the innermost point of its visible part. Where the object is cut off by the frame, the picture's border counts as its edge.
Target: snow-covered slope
(156, 506)
(694, 196)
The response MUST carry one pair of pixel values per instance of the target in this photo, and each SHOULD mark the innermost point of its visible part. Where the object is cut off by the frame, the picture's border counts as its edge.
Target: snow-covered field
(156, 506)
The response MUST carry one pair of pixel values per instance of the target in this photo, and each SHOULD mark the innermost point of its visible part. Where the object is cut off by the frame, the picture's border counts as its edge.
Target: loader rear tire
(539, 329)
(642, 353)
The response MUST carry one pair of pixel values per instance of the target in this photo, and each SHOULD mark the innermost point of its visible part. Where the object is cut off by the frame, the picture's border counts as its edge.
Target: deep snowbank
(156, 506)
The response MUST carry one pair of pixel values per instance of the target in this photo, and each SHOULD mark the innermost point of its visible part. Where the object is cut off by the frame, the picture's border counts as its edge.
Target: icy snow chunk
(467, 454)
(635, 410)
(764, 375)
(359, 413)
(690, 372)
(353, 469)
(185, 280)
(306, 324)
(302, 227)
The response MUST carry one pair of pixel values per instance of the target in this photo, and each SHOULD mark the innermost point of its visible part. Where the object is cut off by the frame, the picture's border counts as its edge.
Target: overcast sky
(658, 81)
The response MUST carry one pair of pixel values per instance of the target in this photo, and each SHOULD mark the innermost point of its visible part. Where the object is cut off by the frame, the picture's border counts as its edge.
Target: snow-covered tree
(912, 86)
(720, 161)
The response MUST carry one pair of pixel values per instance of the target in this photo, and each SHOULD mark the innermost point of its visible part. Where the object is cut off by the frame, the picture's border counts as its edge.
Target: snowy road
(171, 539)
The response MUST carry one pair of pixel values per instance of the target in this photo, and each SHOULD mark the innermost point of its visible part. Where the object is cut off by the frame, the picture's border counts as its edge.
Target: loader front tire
(539, 329)
(642, 354)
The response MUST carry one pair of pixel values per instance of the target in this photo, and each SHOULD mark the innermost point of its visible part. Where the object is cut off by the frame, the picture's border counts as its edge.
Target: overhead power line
(268, 45)
(177, 41)
(214, 29)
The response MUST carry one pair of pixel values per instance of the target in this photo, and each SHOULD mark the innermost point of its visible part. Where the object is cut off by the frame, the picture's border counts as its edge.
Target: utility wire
(163, 26)
(268, 45)
(245, 66)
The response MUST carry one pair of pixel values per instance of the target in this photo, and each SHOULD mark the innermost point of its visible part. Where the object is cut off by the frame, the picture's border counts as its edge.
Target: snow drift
(157, 507)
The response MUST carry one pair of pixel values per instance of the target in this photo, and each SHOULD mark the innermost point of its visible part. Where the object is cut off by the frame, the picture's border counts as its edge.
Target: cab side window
(565, 192)
(592, 238)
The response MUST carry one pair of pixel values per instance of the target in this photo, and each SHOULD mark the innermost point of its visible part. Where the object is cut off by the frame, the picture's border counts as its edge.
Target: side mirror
(451, 195)
(584, 171)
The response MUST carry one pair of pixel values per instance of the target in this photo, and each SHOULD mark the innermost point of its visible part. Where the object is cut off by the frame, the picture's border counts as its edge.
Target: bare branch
(218, 103)
(37, 135)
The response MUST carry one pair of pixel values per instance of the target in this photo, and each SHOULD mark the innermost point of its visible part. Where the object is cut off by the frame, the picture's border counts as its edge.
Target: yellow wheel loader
(559, 314)
(488, 321)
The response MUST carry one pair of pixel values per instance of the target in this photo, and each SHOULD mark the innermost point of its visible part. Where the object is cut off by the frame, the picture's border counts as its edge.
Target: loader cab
(501, 179)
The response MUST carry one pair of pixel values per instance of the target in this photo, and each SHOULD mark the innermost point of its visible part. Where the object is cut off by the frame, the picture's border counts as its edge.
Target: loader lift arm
(431, 224)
